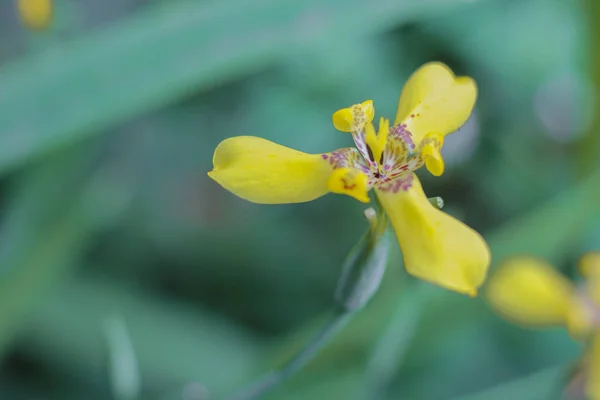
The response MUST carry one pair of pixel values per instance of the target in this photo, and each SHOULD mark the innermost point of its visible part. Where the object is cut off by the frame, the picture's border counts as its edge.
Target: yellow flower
(530, 292)
(35, 14)
(436, 247)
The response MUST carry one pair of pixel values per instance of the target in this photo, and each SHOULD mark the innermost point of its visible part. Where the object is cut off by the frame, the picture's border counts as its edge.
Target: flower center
(387, 155)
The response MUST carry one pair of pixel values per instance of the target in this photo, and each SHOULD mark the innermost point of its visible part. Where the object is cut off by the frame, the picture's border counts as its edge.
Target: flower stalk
(270, 380)
(364, 266)
(362, 273)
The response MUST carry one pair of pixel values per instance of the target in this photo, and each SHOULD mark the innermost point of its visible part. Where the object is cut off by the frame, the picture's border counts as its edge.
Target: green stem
(274, 378)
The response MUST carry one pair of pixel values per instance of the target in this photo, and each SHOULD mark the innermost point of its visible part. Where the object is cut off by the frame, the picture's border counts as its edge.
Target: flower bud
(364, 266)
(437, 202)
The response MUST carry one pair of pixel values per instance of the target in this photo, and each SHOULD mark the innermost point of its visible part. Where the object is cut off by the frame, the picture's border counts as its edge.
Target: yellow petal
(342, 119)
(376, 142)
(593, 383)
(589, 265)
(369, 110)
(436, 247)
(354, 118)
(434, 100)
(430, 151)
(350, 181)
(35, 14)
(384, 129)
(434, 162)
(264, 172)
(579, 318)
(530, 292)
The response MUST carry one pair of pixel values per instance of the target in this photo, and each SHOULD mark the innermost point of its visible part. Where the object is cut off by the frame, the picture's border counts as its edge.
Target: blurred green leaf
(543, 385)
(42, 238)
(123, 368)
(175, 344)
(161, 55)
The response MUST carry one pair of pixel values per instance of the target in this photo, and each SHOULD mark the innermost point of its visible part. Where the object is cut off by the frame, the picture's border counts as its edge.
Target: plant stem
(259, 387)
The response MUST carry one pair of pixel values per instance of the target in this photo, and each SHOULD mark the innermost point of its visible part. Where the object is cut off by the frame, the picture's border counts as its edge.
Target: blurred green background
(125, 272)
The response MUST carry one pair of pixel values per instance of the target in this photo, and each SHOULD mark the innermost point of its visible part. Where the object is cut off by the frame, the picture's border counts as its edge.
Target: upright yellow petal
(593, 383)
(530, 292)
(436, 247)
(264, 172)
(434, 100)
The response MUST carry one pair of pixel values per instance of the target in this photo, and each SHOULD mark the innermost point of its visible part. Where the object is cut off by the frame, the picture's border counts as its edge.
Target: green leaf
(175, 345)
(165, 53)
(543, 385)
(49, 218)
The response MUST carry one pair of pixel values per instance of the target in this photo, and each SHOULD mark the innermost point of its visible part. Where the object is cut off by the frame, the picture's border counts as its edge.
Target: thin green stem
(268, 381)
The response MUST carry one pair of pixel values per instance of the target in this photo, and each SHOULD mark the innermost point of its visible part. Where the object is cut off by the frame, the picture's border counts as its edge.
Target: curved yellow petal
(436, 247)
(592, 388)
(530, 292)
(264, 172)
(342, 119)
(434, 100)
(350, 181)
(354, 118)
(430, 151)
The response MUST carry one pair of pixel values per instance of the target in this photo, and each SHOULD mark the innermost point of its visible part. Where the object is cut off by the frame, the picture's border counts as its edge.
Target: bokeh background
(126, 273)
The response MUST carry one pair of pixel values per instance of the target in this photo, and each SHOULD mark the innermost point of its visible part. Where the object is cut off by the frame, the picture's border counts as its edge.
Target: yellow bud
(35, 14)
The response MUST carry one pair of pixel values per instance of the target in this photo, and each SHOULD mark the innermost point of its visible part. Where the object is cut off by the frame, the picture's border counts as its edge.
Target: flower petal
(430, 151)
(264, 172)
(593, 384)
(434, 100)
(35, 14)
(589, 265)
(342, 119)
(350, 181)
(354, 118)
(436, 247)
(530, 292)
